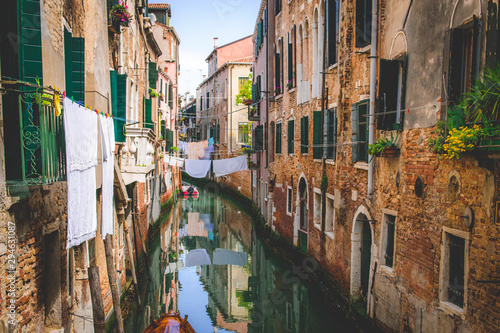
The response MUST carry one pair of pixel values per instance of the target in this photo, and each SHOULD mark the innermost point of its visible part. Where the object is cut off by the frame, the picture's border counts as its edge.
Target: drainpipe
(373, 89)
(324, 110)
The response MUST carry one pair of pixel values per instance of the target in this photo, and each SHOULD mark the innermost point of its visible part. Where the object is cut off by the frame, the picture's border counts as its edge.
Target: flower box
(390, 151)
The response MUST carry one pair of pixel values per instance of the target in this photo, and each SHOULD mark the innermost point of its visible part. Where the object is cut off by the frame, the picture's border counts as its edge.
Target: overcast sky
(197, 22)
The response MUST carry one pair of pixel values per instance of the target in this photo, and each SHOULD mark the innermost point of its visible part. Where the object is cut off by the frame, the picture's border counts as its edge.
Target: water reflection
(255, 292)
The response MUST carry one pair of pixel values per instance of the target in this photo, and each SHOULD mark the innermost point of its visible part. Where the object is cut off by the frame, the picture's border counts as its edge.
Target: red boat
(171, 323)
(189, 190)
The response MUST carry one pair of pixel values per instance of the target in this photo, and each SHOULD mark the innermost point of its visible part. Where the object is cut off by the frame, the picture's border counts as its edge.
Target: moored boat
(170, 323)
(189, 190)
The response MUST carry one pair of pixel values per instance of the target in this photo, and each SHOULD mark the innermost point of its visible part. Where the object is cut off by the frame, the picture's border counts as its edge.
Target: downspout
(373, 90)
(325, 127)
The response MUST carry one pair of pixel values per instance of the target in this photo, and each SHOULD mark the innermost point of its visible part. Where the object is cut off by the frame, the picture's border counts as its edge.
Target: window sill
(291, 90)
(361, 165)
(331, 162)
(332, 67)
(317, 226)
(330, 234)
(452, 309)
(289, 213)
(317, 160)
(280, 96)
(386, 270)
(365, 49)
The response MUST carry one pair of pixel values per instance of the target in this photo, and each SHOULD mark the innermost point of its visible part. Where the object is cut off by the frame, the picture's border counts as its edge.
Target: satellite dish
(152, 17)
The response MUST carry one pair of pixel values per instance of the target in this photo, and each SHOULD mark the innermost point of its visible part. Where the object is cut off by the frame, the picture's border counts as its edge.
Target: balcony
(138, 154)
(43, 154)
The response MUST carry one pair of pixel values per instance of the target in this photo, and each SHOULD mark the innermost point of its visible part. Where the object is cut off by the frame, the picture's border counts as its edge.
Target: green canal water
(249, 290)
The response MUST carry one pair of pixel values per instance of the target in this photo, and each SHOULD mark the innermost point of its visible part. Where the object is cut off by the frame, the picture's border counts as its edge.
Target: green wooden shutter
(170, 96)
(68, 63)
(121, 106)
(332, 134)
(78, 65)
(355, 133)
(317, 135)
(153, 75)
(164, 129)
(363, 132)
(259, 35)
(278, 138)
(148, 123)
(30, 41)
(170, 139)
(304, 135)
(291, 136)
(258, 139)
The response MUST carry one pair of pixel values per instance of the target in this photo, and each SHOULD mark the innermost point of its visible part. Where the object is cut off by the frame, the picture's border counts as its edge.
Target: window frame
(304, 135)
(317, 208)
(445, 304)
(385, 239)
(291, 137)
(289, 200)
(356, 140)
(330, 216)
(363, 21)
(279, 138)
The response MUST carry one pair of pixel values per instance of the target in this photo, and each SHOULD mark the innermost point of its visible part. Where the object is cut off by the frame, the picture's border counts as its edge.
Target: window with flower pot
(460, 60)
(391, 100)
(244, 129)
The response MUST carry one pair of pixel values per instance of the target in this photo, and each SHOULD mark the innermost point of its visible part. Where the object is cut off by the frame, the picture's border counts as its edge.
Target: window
(74, 57)
(317, 135)
(208, 100)
(363, 22)
(360, 132)
(278, 138)
(331, 150)
(292, 47)
(278, 63)
(460, 61)
(388, 240)
(243, 132)
(241, 83)
(258, 138)
(453, 267)
(330, 215)
(317, 208)
(260, 37)
(291, 136)
(289, 200)
(333, 26)
(391, 94)
(304, 135)
(277, 7)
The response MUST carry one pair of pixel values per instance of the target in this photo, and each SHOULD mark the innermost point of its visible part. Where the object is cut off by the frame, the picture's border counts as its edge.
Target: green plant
(436, 145)
(289, 85)
(120, 14)
(152, 93)
(483, 101)
(174, 149)
(245, 91)
(324, 183)
(461, 140)
(378, 146)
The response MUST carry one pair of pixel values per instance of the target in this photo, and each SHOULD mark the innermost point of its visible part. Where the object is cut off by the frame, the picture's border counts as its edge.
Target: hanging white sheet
(230, 165)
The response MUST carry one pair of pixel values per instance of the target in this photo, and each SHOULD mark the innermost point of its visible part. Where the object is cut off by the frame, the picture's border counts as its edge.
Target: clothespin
(64, 94)
(80, 103)
(408, 110)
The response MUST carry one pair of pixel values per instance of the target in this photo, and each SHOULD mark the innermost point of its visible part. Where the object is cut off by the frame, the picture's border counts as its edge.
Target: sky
(197, 22)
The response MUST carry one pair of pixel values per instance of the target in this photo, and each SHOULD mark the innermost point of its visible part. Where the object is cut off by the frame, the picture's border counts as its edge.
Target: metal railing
(43, 153)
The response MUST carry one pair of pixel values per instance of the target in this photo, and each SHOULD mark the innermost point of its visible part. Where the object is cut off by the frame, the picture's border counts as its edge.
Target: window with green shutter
(278, 138)
(74, 58)
(317, 135)
(148, 123)
(121, 106)
(291, 136)
(331, 150)
(164, 129)
(30, 41)
(360, 132)
(304, 135)
(153, 75)
(170, 139)
(258, 138)
(170, 96)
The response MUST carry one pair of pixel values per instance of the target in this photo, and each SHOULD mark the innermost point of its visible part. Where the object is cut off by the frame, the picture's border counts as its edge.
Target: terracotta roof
(159, 6)
(245, 59)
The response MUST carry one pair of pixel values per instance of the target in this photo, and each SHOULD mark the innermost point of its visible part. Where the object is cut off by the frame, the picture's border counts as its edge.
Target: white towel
(228, 257)
(197, 257)
(166, 159)
(108, 174)
(80, 128)
(197, 168)
(230, 165)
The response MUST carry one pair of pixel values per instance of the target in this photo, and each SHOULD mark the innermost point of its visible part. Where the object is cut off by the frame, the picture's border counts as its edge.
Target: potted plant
(161, 96)
(277, 90)
(289, 85)
(152, 93)
(119, 15)
(384, 147)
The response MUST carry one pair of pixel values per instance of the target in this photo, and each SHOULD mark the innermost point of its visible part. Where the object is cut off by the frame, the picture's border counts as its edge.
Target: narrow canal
(244, 288)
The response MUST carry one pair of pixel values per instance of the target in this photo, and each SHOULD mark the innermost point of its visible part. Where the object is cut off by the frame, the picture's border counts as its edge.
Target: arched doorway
(361, 257)
(303, 213)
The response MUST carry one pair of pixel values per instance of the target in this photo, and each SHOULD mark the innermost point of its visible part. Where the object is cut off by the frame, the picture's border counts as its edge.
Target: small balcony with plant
(118, 17)
(384, 147)
(472, 126)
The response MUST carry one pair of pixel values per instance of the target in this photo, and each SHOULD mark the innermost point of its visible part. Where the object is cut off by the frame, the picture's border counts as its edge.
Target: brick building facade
(397, 233)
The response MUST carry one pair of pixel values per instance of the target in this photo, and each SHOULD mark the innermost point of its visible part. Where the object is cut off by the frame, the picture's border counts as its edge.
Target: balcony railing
(43, 152)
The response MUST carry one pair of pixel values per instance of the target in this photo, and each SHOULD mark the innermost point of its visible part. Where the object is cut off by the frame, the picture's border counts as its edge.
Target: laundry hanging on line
(229, 165)
(108, 174)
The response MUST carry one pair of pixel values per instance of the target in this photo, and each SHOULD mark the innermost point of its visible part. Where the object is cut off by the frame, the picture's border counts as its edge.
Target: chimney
(215, 42)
